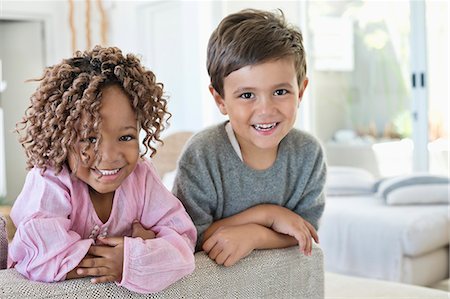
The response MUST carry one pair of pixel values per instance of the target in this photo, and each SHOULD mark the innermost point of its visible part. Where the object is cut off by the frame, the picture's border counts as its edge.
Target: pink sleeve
(152, 265)
(44, 248)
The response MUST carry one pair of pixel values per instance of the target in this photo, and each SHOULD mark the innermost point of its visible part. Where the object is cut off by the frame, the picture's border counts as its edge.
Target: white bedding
(361, 235)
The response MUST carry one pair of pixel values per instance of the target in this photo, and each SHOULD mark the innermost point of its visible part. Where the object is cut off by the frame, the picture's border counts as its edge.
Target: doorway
(22, 53)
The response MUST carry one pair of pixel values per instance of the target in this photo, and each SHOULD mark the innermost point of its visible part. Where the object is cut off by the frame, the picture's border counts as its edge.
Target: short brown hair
(71, 89)
(250, 37)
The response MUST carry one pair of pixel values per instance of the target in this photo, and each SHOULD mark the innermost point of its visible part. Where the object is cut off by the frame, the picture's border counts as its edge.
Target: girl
(91, 204)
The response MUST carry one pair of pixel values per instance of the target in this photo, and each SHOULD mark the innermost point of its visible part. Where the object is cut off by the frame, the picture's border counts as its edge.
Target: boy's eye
(126, 138)
(246, 95)
(280, 92)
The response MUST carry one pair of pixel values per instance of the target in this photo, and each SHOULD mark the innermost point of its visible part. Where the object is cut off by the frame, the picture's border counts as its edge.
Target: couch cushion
(276, 273)
(417, 268)
(361, 235)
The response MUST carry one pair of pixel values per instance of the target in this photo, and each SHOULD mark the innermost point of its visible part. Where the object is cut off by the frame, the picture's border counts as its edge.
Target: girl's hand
(140, 231)
(73, 273)
(105, 262)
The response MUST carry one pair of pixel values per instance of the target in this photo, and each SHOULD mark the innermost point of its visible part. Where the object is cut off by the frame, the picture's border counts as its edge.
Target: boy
(253, 182)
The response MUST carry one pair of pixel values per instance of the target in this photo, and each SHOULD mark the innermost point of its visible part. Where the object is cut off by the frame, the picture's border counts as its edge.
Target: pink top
(57, 223)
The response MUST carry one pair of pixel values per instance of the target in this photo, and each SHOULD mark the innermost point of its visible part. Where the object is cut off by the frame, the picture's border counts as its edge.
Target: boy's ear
(219, 100)
(302, 90)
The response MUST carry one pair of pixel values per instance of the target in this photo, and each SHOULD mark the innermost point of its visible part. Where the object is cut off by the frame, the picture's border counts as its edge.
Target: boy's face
(261, 101)
(119, 147)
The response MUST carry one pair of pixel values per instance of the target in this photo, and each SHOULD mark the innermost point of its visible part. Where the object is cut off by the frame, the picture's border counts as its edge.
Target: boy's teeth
(264, 127)
(109, 172)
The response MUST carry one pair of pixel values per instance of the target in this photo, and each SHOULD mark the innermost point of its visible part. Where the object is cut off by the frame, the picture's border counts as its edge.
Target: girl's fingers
(97, 271)
(96, 250)
(89, 263)
(113, 241)
(107, 278)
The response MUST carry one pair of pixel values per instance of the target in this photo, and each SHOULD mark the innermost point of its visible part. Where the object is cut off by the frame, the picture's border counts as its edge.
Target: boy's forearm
(257, 236)
(270, 239)
(259, 214)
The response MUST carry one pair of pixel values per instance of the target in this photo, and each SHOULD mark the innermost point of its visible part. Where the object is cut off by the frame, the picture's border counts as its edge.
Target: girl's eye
(92, 139)
(247, 95)
(126, 138)
(280, 92)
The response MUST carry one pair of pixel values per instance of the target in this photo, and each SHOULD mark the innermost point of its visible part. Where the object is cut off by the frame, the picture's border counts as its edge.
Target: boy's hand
(289, 223)
(105, 262)
(140, 231)
(229, 244)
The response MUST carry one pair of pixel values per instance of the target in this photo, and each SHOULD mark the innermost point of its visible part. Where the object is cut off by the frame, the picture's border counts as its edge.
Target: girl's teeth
(109, 172)
(264, 127)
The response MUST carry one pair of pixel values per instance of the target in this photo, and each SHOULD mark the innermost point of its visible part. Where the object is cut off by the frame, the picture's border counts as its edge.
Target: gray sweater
(213, 183)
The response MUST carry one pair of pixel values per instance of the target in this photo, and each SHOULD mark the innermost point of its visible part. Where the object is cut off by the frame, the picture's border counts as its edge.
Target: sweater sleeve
(312, 201)
(44, 247)
(152, 265)
(195, 188)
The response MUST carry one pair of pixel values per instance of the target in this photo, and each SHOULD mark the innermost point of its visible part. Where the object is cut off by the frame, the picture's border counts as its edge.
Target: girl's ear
(220, 102)
(302, 90)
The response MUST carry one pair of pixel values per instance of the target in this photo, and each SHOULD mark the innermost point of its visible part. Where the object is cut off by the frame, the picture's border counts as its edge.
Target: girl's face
(118, 151)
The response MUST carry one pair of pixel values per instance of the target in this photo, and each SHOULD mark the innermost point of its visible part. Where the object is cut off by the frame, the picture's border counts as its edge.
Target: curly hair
(71, 91)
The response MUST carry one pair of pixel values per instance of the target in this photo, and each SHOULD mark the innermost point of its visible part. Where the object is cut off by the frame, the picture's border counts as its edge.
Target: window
(360, 69)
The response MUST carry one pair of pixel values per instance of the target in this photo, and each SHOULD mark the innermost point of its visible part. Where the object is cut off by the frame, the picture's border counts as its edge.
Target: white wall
(2, 156)
(170, 36)
(34, 34)
(53, 14)
(30, 40)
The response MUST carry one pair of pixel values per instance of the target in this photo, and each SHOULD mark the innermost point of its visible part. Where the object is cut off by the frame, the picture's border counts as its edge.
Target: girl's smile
(107, 175)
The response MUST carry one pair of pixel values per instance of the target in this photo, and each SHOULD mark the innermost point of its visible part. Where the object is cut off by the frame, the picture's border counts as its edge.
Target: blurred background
(377, 97)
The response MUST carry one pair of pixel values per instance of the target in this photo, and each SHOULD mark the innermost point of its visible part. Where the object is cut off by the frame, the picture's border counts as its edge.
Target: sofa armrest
(3, 243)
(275, 273)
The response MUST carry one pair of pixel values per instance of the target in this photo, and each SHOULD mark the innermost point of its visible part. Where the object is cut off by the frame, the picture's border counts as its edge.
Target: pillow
(415, 189)
(342, 180)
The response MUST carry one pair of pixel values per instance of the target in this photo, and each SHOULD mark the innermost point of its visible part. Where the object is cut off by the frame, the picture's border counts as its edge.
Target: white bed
(363, 236)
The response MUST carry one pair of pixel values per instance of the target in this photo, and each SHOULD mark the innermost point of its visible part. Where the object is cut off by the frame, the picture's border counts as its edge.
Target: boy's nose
(266, 104)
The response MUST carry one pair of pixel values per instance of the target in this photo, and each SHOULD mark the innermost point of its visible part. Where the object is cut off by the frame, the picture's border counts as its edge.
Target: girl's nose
(108, 151)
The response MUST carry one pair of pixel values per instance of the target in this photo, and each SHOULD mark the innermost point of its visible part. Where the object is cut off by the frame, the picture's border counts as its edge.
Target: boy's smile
(261, 101)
